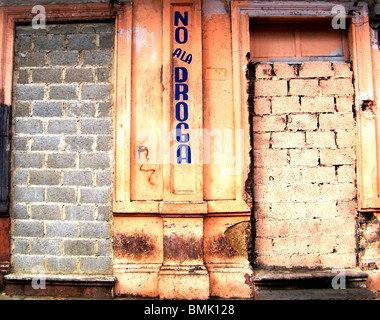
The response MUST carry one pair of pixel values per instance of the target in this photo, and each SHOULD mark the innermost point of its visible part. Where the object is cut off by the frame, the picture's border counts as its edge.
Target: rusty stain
(137, 245)
(219, 245)
(182, 248)
(146, 151)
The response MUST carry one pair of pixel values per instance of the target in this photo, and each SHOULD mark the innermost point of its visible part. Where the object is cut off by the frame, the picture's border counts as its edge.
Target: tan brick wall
(304, 165)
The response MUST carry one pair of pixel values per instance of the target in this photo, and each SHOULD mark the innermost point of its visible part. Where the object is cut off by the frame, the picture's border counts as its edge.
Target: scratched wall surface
(62, 149)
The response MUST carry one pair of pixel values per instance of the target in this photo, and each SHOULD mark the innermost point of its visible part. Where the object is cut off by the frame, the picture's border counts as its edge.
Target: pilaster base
(183, 282)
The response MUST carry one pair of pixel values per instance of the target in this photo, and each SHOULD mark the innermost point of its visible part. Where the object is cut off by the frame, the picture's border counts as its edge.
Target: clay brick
(285, 175)
(271, 193)
(317, 104)
(300, 87)
(263, 71)
(270, 158)
(287, 210)
(285, 105)
(342, 70)
(268, 228)
(288, 140)
(302, 122)
(337, 157)
(316, 69)
(261, 141)
(337, 121)
(339, 87)
(348, 260)
(324, 210)
(276, 175)
(346, 174)
(320, 139)
(341, 191)
(345, 139)
(304, 157)
(269, 123)
(283, 70)
(271, 88)
(304, 192)
(318, 174)
(344, 104)
(261, 106)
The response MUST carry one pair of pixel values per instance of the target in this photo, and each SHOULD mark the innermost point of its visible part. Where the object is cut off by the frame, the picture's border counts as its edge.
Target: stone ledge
(93, 280)
(303, 279)
(80, 286)
(316, 294)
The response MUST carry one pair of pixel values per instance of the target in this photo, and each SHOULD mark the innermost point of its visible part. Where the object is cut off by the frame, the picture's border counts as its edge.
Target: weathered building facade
(187, 149)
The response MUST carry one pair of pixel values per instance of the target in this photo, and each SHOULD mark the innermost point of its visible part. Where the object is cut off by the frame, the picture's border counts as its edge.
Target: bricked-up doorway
(63, 94)
(304, 186)
(62, 149)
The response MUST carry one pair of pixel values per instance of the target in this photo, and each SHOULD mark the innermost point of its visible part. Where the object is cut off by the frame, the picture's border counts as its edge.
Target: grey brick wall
(62, 150)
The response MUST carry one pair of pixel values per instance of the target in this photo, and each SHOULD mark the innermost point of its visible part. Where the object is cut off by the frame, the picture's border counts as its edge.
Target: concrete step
(313, 285)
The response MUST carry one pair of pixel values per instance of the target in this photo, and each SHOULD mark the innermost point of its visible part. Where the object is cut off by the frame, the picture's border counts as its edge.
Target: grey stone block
(96, 126)
(97, 58)
(96, 91)
(23, 44)
(28, 126)
(28, 228)
(103, 74)
(104, 213)
(63, 92)
(77, 178)
(28, 31)
(95, 195)
(79, 143)
(30, 59)
(80, 109)
(61, 194)
(46, 212)
(96, 229)
(43, 177)
(28, 264)
(21, 144)
(28, 194)
(45, 143)
(106, 41)
(104, 143)
(46, 76)
(64, 58)
(22, 109)
(45, 246)
(79, 212)
(47, 109)
(65, 126)
(29, 92)
(104, 248)
(97, 265)
(20, 211)
(22, 76)
(48, 42)
(61, 160)
(103, 178)
(79, 75)
(79, 247)
(21, 246)
(27, 160)
(100, 160)
(62, 29)
(81, 42)
(58, 229)
(64, 265)
(21, 177)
